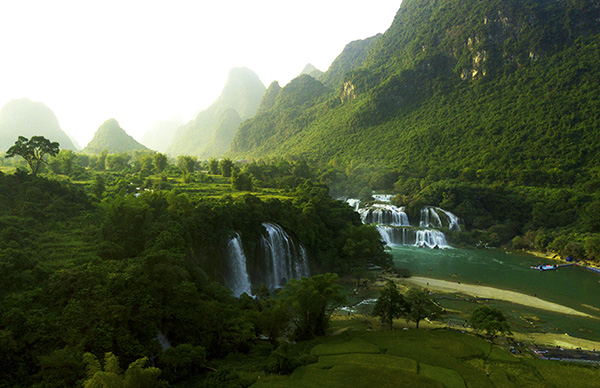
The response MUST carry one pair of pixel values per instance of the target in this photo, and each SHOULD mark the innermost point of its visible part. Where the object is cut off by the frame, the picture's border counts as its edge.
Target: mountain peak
(23, 117)
(211, 131)
(112, 138)
(309, 69)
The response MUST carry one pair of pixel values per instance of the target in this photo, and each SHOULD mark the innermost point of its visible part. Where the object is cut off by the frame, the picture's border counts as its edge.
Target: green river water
(574, 287)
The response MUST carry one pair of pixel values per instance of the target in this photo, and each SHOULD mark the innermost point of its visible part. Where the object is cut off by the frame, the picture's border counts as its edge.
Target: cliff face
(24, 117)
(212, 130)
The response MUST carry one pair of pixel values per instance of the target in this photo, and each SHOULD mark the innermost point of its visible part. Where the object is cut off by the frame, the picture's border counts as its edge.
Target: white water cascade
(384, 214)
(430, 218)
(395, 229)
(238, 280)
(354, 203)
(284, 258)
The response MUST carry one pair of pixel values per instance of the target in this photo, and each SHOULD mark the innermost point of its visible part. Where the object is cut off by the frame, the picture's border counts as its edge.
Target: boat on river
(544, 267)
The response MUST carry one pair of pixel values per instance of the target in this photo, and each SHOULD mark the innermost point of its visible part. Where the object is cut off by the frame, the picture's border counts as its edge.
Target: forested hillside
(480, 107)
(113, 263)
(500, 86)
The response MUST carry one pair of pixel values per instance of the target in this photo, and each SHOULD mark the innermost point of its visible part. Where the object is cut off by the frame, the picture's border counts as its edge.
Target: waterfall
(163, 341)
(384, 214)
(395, 229)
(354, 203)
(238, 280)
(383, 197)
(424, 238)
(452, 219)
(430, 218)
(285, 259)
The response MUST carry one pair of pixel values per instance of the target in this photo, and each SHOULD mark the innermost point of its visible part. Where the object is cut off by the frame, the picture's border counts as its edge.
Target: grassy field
(426, 358)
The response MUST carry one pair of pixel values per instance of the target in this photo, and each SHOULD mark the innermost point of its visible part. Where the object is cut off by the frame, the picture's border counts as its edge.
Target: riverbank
(595, 267)
(486, 292)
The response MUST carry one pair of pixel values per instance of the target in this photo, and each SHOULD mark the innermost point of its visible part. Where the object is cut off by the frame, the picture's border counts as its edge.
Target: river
(573, 287)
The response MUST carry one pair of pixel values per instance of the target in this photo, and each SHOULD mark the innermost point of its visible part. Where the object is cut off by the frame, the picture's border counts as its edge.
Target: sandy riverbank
(491, 293)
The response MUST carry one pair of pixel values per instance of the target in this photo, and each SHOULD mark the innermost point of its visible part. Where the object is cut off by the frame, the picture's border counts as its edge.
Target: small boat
(544, 267)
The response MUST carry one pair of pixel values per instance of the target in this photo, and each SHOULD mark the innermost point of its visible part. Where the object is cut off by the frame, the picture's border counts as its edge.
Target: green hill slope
(505, 89)
(112, 138)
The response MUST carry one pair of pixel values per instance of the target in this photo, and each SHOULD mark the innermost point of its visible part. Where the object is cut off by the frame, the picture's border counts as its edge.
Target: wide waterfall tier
(384, 214)
(423, 238)
(430, 218)
(395, 228)
(237, 279)
(283, 257)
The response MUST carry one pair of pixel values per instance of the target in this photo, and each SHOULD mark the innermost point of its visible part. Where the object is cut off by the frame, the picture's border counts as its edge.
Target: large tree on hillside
(33, 151)
(421, 306)
(490, 320)
(390, 304)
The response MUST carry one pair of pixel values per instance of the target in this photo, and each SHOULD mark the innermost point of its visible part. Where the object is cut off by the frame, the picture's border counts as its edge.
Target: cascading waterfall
(395, 229)
(354, 203)
(430, 218)
(452, 219)
(238, 280)
(284, 259)
(384, 214)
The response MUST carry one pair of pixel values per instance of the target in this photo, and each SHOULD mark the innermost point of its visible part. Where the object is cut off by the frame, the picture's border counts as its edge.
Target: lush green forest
(113, 264)
(106, 258)
(103, 265)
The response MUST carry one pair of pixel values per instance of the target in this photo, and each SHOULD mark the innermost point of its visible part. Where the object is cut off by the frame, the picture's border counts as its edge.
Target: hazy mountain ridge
(211, 131)
(23, 117)
(454, 85)
(161, 134)
(112, 138)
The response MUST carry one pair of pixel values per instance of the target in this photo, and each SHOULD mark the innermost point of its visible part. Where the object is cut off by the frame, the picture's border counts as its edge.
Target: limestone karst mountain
(451, 88)
(211, 131)
(112, 138)
(23, 117)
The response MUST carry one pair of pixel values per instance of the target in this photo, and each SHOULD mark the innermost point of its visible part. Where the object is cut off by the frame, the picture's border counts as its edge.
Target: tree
(160, 161)
(363, 246)
(98, 186)
(137, 375)
(33, 151)
(117, 162)
(241, 181)
(421, 306)
(310, 302)
(489, 319)
(186, 163)
(226, 167)
(63, 162)
(181, 361)
(390, 304)
(213, 166)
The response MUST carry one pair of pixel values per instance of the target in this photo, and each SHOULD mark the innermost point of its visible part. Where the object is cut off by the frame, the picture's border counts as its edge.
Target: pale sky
(143, 61)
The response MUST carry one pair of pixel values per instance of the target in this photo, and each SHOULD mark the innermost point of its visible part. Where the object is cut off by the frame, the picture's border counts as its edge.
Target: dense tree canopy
(33, 151)
(489, 319)
(311, 302)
